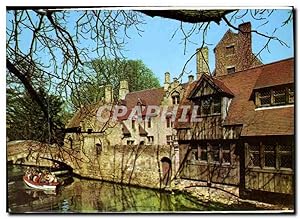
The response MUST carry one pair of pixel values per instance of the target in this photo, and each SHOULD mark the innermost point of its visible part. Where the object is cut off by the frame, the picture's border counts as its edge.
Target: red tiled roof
(222, 87)
(272, 121)
(148, 97)
(277, 73)
(278, 121)
(83, 113)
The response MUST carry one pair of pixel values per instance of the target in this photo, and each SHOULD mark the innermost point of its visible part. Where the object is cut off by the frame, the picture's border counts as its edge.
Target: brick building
(244, 133)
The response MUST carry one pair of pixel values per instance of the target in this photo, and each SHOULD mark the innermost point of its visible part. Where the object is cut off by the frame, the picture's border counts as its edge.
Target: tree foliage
(112, 71)
(27, 121)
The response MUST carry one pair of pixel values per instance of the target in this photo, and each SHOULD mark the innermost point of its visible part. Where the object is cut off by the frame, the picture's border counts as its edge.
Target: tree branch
(28, 86)
(189, 16)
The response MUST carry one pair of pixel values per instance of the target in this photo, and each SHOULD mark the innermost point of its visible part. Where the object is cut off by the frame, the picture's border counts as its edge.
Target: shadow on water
(94, 196)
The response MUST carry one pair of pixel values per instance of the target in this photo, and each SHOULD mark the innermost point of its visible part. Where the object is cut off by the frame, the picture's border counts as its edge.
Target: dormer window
(175, 98)
(230, 50)
(230, 70)
(210, 106)
(169, 122)
(274, 96)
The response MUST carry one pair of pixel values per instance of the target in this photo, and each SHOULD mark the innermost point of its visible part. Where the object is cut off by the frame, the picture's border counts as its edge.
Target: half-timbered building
(240, 127)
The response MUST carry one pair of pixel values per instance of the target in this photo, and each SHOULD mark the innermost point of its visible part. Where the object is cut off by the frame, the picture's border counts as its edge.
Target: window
(254, 155)
(205, 106)
(210, 106)
(274, 97)
(219, 154)
(199, 153)
(230, 50)
(203, 153)
(215, 153)
(70, 142)
(270, 156)
(98, 148)
(130, 142)
(194, 154)
(269, 153)
(230, 70)
(279, 96)
(265, 98)
(226, 158)
(169, 139)
(175, 98)
(285, 156)
(216, 106)
(150, 139)
(149, 122)
(169, 122)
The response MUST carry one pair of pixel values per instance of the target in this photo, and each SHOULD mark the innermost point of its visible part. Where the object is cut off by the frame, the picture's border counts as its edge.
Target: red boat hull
(43, 186)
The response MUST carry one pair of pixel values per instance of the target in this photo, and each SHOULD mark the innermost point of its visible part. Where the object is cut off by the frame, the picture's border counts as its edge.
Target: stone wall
(128, 164)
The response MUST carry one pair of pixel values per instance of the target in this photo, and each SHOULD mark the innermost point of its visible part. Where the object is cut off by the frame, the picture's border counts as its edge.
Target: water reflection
(93, 196)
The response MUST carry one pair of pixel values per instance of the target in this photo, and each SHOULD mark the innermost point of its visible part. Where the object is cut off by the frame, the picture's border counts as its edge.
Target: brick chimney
(167, 81)
(123, 90)
(191, 78)
(202, 61)
(108, 94)
(244, 44)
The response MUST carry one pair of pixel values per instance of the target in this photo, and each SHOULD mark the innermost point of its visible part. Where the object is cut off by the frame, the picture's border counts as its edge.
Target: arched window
(98, 148)
(166, 170)
(175, 98)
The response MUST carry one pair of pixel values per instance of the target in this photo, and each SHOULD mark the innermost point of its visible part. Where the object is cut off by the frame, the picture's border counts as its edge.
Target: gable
(207, 86)
(227, 36)
(204, 89)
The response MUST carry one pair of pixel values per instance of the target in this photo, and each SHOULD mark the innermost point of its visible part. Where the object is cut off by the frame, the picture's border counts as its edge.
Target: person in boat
(28, 173)
(37, 178)
(52, 178)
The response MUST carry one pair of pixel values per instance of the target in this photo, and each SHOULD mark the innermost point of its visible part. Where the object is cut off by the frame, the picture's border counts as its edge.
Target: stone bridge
(27, 152)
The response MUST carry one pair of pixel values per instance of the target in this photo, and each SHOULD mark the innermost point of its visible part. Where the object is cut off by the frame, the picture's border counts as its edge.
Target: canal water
(90, 196)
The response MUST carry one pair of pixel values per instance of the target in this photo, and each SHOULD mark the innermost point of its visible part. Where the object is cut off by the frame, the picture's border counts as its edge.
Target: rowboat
(40, 185)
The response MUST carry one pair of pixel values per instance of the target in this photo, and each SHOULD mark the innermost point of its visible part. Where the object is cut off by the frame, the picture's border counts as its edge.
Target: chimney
(244, 44)
(202, 61)
(167, 81)
(176, 82)
(123, 90)
(245, 27)
(108, 94)
(191, 78)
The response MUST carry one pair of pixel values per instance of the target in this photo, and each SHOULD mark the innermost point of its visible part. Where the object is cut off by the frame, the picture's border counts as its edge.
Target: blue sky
(160, 54)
